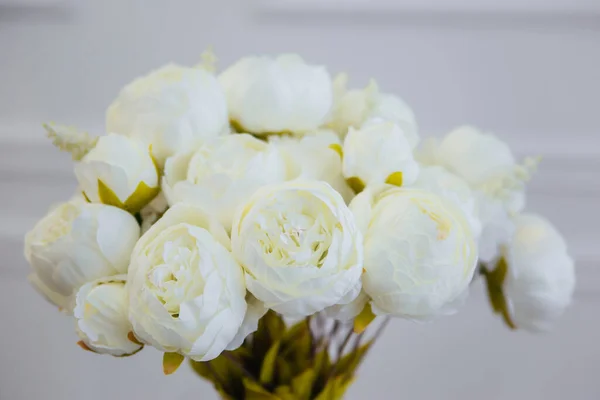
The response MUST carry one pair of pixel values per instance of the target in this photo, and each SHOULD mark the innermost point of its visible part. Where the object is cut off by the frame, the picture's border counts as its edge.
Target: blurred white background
(527, 70)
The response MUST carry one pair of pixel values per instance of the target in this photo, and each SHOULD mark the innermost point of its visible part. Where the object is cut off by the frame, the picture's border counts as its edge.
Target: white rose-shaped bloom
(420, 253)
(222, 174)
(541, 275)
(266, 94)
(173, 109)
(444, 183)
(101, 317)
(255, 311)
(488, 165)
(378, 153)
(315, 156)
(120, 172)
(186, 291)
(348, 311)
(352, 108)
(299, 246)
(77, 243)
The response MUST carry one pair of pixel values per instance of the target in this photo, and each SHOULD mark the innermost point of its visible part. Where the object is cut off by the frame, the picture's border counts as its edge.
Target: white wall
(532, 77)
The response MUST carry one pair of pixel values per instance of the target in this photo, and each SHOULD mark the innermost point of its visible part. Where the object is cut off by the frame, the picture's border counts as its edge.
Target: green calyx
(142, 195)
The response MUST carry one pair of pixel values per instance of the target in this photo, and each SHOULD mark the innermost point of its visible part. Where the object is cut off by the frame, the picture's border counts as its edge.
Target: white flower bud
(352, 108)
(222, 174)
(541, 275)
(119, 172)
(172, 109)
(101, 317)
(378, 153)
(315, 156)
(282, 94)
(77, 243)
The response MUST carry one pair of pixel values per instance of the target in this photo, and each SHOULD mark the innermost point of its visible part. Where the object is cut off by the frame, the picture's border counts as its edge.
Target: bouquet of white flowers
(258, 222)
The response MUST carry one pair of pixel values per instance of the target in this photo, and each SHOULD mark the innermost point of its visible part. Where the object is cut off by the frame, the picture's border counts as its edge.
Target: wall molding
(515, 7)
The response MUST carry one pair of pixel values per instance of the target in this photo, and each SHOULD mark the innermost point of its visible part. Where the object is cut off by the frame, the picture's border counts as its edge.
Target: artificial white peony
(299, 246)
(541, 275)
(444, 183)
(488, 165)
(314, 156)
(186, 291)
(255, 311)
(420, 253)
(173, 109)
(280, 94)
(222, 174)
(118, 171)
(378, 153)
(352, 108)
(77, 243)
(101, 317)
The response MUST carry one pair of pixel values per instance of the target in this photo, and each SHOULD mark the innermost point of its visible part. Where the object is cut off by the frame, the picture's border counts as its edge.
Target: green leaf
(253, 391)
(285, 393)
(302, 384)
(284, 371)
(362, 320)
(270, 329)
(335, 389)
(296, 346)
(495, 288)
(348, 363)
(267, 370)
(322, 368)
(171, 362)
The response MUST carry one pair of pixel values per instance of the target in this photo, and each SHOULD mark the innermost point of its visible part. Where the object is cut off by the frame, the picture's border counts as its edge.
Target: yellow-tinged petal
(171, 362)
(362, 320)
(394, 179)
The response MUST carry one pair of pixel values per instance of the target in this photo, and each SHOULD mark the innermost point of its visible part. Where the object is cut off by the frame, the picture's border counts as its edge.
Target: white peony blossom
(172, 109)
(315, 156)
(77, 243)
(352, 108)
(488, 165)
(101, 317)
(299, 246)
(256, 310)
(222, 174)
(541, 275)
(119, 172)
(444, 183)
(347, 310)
(186, 291)
(420, 253)
(378, 153)
(281, 94)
